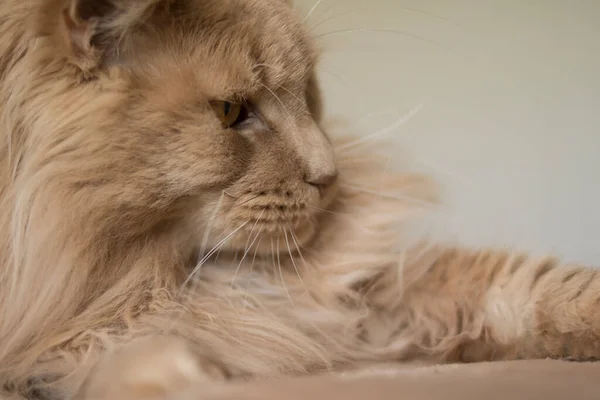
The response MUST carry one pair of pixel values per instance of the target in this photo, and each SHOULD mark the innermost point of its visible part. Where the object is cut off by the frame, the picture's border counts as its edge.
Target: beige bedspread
(544, 380)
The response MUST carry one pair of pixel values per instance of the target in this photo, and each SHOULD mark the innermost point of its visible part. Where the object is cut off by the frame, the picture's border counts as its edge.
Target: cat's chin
(261, 241)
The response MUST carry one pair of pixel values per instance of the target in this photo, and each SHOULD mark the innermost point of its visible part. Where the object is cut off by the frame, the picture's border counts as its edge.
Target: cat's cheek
(205, 166)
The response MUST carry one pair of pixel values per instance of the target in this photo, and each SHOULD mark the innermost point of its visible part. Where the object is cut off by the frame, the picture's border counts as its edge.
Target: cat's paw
(149, 369)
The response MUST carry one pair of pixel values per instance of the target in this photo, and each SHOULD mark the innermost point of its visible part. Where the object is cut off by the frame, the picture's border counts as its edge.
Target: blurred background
(508, 100)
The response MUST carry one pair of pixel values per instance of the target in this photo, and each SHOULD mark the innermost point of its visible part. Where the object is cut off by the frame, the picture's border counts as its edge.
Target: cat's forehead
(234, 46)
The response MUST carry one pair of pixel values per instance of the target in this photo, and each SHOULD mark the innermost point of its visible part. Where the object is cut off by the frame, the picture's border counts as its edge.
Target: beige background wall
(510, 118)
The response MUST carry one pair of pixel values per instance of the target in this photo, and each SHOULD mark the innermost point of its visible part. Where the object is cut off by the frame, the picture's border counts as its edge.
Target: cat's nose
(321, 177)
(315, 150)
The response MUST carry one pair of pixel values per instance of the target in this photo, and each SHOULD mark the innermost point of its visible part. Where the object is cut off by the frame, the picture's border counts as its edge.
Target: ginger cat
(174, 215)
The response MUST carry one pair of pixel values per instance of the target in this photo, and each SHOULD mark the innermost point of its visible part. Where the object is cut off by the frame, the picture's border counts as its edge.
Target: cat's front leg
(151, 369)
(487, 305)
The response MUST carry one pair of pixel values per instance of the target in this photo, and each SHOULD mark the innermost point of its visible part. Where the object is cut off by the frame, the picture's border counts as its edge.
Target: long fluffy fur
(81, 277)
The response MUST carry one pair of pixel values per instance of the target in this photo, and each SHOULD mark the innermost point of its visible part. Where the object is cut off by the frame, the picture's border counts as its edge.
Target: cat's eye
(230, 113)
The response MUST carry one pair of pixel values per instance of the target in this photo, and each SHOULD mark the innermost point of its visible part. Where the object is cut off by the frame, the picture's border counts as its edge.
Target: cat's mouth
(273, 227)
(271, 222)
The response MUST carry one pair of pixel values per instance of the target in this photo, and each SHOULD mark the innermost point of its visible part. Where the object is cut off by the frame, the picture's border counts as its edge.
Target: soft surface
(545, 379)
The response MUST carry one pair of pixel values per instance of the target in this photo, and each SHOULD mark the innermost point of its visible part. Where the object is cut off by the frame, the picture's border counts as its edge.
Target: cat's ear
(92, 27)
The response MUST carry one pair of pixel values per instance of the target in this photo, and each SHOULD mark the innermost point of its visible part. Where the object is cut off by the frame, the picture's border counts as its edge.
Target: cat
(174, 215)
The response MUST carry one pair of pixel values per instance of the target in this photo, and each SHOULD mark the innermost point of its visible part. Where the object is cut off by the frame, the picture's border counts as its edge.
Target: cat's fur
(117, 177)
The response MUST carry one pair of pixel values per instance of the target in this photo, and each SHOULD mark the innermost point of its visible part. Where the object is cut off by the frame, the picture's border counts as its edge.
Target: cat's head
(199, 117)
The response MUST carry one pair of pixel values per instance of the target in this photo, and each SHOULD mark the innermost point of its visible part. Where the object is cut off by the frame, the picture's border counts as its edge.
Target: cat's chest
(313, 307)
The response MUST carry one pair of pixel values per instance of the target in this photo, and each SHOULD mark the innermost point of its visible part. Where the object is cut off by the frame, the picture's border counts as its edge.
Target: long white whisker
(415, 10)
(243, 258)
(298, 99)
(281, 274)
(390, 30)
(348, 218)
(256, 251)
(252, 269)
(312, 28)
(253, 227)
(218, 254)
(210, 253)
(326, 211)
(312, 10)
(347, 85)
(383, 132)
(276, 98)
(335, 74)
(390, 196)
(430, 14)
(293, 234)
(211, 223)
(287, 242)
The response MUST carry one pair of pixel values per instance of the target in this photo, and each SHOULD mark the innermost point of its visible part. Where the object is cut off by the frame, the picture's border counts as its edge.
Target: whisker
(431, 168)
(312, 10)
(347, 85)
(333, 73)
(210, 253)
(430, 14)
(281, 272)
(276, 98)
(348, 218)
(293, 234)
(242, 260)
(218, 254)
(324, 210)
(314, 325)
(392, 31)
(428, 204)
(298, 99)
(382, 132)
(328, 9)
(435, 170)
(234, 260)
(211, 223)
(250, 199)
(247, 249)
(287, 242)
(254, 227)
(252, 269)
(415, 10)
(312, 28)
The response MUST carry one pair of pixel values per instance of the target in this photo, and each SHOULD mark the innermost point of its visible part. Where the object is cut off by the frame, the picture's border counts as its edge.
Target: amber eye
(229, 113)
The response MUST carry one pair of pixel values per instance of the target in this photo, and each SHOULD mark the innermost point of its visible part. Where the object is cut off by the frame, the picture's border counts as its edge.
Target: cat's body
(122, 167)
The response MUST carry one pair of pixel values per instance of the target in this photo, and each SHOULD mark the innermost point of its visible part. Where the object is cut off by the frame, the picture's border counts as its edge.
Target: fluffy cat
(174, 214)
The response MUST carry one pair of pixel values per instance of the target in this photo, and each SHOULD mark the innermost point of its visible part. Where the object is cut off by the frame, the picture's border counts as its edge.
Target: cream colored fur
(118, 180)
